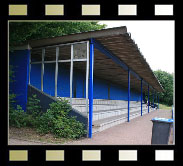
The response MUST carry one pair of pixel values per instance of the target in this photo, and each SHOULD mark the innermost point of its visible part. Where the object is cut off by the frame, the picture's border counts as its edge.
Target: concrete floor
(137, 132)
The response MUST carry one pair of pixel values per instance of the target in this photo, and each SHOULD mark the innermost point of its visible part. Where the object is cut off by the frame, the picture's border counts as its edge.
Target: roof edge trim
(77, 37)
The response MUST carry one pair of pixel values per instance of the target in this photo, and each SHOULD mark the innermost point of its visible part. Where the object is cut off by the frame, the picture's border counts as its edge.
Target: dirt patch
(31, 136)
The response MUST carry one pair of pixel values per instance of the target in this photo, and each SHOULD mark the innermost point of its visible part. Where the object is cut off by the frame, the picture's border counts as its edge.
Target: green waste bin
(161, 130)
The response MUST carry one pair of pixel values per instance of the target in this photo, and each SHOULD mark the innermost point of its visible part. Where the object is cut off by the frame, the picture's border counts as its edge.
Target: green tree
(166, 80)
(20, 32)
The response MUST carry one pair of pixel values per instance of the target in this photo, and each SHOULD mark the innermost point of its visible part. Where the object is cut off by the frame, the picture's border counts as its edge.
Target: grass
(165, 107)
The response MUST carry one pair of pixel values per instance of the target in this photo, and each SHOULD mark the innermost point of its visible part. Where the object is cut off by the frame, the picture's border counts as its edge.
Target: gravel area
(136, 132)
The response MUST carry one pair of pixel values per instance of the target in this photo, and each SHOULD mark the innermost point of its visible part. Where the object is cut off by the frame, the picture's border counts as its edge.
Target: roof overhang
(119, 43)
(77, 37)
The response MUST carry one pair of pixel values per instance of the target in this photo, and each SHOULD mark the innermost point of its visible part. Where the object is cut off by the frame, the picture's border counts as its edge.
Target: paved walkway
(137, 132)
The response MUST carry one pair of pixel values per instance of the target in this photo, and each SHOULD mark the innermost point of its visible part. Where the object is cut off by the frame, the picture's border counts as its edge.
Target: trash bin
(161, 130)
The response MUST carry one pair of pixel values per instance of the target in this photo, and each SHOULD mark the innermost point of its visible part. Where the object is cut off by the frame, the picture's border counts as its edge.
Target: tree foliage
(20, 32)
(166, 80)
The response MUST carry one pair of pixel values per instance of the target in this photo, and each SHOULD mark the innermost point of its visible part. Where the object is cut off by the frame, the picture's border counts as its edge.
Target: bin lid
(163, 120)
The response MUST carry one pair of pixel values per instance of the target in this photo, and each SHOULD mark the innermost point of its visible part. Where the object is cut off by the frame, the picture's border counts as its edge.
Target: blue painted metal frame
(145, 82)
(128, 95)
(91, 88)
(141, 96)
(106, 52)
(158, 101)
(153, 98)
(148, 98)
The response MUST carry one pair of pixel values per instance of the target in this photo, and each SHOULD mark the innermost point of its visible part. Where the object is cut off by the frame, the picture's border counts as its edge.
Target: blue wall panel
(118, 93)
(135, 96)
(35, 75)
(63, 84)
(49, 79)
(20, 62)
(79, 82)
(100, 89)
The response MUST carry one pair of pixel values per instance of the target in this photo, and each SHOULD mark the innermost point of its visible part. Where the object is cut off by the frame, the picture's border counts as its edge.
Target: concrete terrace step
(102, 124)
(115, 109)
(108, 113)
(104, 108)
(109, 103)
(82, 101)
(107, 107)
(100, 114)
(119, 109)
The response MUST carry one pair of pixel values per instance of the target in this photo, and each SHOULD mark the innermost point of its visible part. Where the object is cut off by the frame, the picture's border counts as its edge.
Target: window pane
(64, 52)
(80, 51)
(36, 55)
(50, 54)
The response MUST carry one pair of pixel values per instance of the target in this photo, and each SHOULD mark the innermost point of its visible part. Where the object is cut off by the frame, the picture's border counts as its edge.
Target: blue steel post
(141, 97)
(157, 98)
(91, 88)
(153, 99)
(148, 98)
(128, 95)
(158, 101)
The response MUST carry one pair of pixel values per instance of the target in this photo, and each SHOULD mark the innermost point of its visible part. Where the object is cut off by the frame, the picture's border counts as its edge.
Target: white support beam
(42, 68)
(71, 73)
(87, 75)
(29, 67)
(56, 70)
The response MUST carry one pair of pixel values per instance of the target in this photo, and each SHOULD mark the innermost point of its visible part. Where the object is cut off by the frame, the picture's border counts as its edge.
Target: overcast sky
(155, 40)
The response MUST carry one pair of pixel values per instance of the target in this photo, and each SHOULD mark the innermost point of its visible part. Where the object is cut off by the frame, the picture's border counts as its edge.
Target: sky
(155, 40)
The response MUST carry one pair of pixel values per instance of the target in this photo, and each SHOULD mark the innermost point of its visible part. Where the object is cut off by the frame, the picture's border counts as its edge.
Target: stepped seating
(108, 113)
